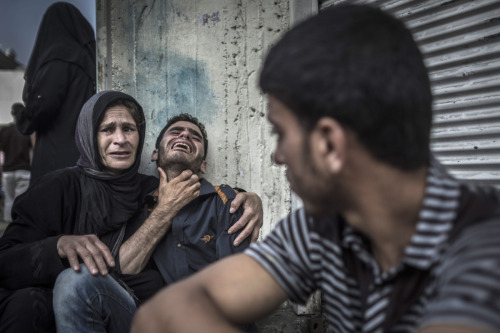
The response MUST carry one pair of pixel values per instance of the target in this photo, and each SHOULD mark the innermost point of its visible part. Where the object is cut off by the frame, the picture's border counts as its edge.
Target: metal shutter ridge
(460, 41)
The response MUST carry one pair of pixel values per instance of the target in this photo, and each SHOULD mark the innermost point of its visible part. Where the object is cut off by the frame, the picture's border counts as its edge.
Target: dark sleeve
(45, 98)
(28, 252)
(224, 241)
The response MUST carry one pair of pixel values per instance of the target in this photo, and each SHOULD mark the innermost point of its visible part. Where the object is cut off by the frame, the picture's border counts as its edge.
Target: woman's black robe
(28, 254)
(60, 77)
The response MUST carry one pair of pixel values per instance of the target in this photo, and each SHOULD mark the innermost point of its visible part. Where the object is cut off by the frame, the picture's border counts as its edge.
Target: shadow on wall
(188, 89)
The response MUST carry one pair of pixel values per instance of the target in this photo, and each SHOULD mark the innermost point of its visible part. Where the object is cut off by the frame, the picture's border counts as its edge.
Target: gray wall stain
(187, 90)
(205, 19)
(201, 57)
(182, 16)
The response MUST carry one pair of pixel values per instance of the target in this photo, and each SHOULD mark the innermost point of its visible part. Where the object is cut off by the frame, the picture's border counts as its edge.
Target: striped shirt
(455, 249)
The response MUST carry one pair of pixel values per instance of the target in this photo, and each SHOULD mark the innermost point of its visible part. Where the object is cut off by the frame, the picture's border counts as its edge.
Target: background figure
(60, 78)
(16, 167)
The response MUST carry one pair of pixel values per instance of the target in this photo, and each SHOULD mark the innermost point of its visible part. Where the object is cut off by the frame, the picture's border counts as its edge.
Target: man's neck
(385, 207)
(174, 171)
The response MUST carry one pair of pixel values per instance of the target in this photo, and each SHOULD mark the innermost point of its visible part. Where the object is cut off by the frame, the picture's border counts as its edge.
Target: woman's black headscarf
(64, 34)
(108, 200)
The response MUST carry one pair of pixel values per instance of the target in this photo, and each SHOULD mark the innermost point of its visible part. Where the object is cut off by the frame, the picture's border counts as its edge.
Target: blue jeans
(87, 303)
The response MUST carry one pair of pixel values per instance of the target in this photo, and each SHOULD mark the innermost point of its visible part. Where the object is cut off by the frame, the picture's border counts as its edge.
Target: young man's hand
(176, 193)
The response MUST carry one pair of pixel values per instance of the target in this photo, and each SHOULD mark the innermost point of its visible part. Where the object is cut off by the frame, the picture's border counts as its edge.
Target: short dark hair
(189, 118)
(360, 66)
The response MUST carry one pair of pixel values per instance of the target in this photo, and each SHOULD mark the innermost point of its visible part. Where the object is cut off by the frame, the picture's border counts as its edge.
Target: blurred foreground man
(393, 242)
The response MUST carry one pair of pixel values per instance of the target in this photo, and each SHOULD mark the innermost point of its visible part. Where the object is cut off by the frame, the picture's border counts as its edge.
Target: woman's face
(117, 140)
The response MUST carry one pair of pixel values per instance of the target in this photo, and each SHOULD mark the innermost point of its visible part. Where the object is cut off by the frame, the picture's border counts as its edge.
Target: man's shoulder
(214, 200)
(467, 284)
(478, 206)
(476, 231)
(222, 193)
(225, 192)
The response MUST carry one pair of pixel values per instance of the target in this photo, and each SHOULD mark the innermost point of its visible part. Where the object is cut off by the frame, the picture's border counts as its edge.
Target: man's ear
(329, 143)
(203, 166)
(154, 155)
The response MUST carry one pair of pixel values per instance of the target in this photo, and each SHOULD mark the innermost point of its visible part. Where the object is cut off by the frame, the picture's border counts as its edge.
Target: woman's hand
(94, 253)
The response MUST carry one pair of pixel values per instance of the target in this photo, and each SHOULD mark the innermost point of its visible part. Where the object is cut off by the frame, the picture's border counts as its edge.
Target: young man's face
(294, 150)
(183, 145)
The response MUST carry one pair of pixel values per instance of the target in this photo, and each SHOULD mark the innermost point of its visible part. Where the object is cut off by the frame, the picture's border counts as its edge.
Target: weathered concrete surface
(204, 57)
(201, 57)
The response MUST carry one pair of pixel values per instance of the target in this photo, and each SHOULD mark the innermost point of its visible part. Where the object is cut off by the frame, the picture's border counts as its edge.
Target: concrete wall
(200, 57)
(11, 90)
(204, 57)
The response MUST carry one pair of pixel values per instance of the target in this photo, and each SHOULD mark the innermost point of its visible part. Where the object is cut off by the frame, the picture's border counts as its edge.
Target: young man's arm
(234, 290)
(136, 251)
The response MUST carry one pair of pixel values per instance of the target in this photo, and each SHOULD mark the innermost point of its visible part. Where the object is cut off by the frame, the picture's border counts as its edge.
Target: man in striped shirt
(393, 242)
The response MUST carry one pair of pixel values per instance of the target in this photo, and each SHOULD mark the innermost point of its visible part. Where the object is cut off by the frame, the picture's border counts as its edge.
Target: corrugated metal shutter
(460, 41)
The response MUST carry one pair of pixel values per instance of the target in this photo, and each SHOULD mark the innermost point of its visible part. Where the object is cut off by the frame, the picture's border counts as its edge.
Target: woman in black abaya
(59, 79)
(67, 205)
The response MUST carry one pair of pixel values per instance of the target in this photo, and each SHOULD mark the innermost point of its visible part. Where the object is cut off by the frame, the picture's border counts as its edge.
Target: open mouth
(182, 146)
(120, 154)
